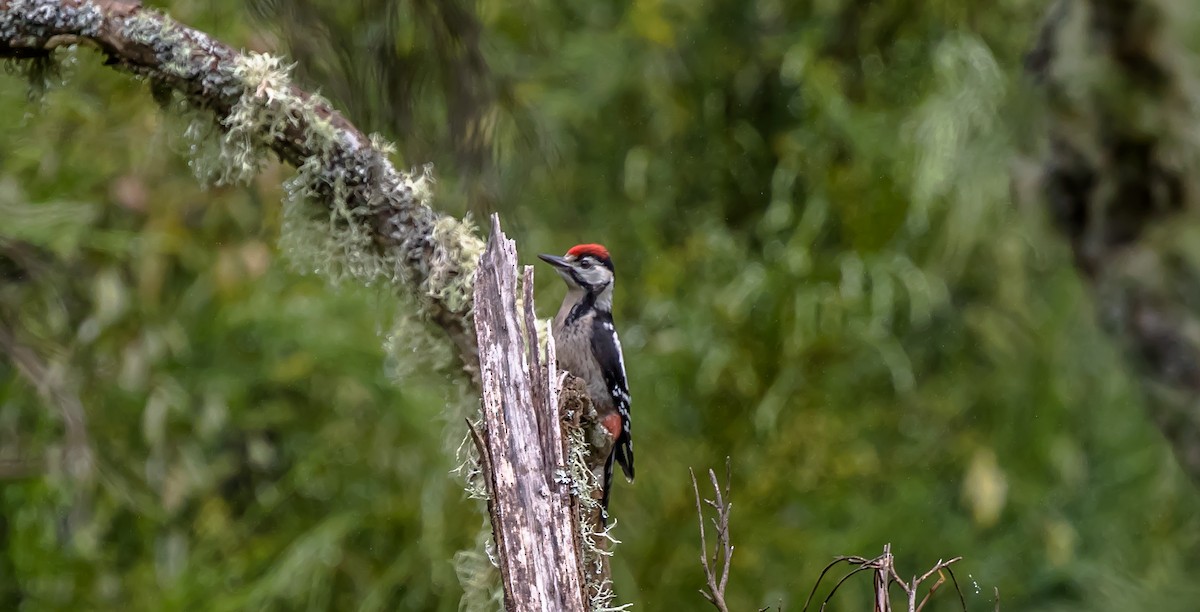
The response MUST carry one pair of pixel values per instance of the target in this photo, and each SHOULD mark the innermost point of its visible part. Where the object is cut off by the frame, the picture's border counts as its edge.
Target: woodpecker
(587, 346)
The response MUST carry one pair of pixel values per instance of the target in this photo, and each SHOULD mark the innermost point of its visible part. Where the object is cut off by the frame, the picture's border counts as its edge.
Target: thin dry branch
(883, 569)
(821, 578)
(344, 168)
(722, 554)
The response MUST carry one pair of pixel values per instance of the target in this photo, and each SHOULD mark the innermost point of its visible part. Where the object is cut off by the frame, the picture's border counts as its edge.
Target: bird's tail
(622, 453)
(608, 478)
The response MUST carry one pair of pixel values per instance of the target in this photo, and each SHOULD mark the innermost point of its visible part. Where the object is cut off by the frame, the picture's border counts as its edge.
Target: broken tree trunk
(524, 453)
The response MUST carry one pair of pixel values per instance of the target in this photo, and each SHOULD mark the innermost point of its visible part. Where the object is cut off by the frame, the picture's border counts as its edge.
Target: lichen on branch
(349, 212)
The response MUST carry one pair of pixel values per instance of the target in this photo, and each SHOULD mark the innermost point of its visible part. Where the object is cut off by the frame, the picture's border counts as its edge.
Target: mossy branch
(388, 233)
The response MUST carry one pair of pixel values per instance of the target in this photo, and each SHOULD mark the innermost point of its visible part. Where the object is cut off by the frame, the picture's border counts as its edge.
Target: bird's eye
(586, 264)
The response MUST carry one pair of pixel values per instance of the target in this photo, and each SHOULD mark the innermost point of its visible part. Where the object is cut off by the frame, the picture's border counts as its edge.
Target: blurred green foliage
(821, 271)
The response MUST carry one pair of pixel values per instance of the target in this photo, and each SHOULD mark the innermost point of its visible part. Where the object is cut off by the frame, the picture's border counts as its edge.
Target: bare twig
(829, 597)
(813, 592)
(723, 552)
(885, 575)
(485, 464)
(933, 589)
(961, 599)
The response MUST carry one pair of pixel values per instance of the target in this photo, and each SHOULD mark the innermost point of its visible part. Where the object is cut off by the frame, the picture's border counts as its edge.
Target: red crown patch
(595, 250)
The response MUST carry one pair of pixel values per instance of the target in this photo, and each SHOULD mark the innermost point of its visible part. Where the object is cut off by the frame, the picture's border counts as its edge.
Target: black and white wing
(606, 346)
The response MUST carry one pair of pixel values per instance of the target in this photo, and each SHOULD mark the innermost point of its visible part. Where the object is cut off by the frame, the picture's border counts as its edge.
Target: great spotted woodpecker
(587, 346)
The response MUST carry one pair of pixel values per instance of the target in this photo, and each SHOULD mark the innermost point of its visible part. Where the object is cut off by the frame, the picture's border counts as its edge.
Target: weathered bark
(1118, 178)
(206, 73)
(525, 453)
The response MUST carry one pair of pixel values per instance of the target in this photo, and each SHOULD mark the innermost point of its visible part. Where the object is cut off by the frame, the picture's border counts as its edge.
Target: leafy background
(822, 275)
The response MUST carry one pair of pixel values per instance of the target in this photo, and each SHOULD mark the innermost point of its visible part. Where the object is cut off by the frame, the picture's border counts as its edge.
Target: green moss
(451, 279)
(478, 575)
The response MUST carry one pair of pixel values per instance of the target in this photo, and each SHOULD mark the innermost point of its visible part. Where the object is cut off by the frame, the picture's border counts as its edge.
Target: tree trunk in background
(1117, 179)
(522, 446)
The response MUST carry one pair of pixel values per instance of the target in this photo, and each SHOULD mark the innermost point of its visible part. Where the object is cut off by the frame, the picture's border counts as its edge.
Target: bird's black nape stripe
(586, 305)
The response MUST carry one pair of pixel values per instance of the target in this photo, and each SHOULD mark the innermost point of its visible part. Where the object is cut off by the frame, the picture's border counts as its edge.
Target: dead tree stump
(524, 453)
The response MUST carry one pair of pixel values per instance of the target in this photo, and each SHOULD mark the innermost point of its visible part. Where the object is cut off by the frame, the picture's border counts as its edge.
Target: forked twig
(821, 578)
(884, 569)
(941, 580)
(829, 597)
(723, 552)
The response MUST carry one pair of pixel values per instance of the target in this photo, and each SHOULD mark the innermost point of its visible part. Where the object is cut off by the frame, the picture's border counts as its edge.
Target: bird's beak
(554, 260)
